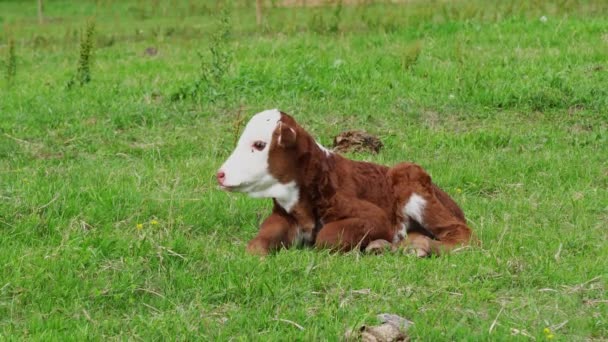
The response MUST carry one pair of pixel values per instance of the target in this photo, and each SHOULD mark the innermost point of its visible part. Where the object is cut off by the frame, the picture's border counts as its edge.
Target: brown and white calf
(323, 199)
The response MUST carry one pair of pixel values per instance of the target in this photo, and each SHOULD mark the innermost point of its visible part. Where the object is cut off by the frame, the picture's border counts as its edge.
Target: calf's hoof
(378, 247)
(418, 247)
(417, 251)
(257, 247)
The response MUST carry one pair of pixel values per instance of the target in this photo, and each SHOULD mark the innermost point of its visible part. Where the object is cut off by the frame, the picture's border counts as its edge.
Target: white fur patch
(246, 170)
(324, 149)
(287, 195)
(415, 207)
(303, 237)
(400, 234)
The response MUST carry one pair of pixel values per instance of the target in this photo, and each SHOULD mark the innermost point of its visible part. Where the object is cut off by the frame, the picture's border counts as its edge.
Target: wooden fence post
(40, 10)
(258, 11)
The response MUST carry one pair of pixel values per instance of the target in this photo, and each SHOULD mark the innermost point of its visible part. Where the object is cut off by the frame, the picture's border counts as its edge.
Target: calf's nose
(221, 176)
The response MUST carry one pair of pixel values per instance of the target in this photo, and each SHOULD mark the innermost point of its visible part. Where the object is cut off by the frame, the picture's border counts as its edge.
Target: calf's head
(263, 164)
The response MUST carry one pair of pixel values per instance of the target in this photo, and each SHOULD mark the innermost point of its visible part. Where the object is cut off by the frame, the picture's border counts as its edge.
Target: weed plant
(11, 64)
(83, 71)
(212, 84)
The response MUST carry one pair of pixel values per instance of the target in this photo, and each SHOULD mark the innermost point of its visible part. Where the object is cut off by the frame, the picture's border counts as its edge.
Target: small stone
(392, 329)
(398, 321)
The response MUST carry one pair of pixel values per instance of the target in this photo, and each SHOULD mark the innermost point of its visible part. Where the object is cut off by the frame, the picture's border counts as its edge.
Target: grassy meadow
(112, 227)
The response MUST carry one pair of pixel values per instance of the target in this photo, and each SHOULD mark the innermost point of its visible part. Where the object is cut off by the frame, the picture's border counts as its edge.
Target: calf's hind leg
(355, 224)
(431, 208)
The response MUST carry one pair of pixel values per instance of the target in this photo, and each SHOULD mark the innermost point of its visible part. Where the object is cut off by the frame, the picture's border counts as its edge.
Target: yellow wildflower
(154, 222)
(547, 331)
(459, 190)
(139, 226)
(550, 337)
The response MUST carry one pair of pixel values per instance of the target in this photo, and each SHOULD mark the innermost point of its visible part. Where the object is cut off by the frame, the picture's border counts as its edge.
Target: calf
(323, 199)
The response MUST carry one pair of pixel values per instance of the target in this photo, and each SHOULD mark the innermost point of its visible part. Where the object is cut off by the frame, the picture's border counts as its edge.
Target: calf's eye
(259, 145)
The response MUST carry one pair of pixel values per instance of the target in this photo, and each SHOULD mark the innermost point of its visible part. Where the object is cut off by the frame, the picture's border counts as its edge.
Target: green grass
(507, 112)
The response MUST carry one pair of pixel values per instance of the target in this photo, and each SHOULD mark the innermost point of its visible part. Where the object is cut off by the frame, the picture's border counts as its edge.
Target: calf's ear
(286, 135)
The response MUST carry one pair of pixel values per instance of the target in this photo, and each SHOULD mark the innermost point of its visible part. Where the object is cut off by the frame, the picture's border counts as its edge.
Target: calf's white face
(246, 170)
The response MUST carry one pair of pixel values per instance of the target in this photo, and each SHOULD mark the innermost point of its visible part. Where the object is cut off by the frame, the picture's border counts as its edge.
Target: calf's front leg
(275, 232)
